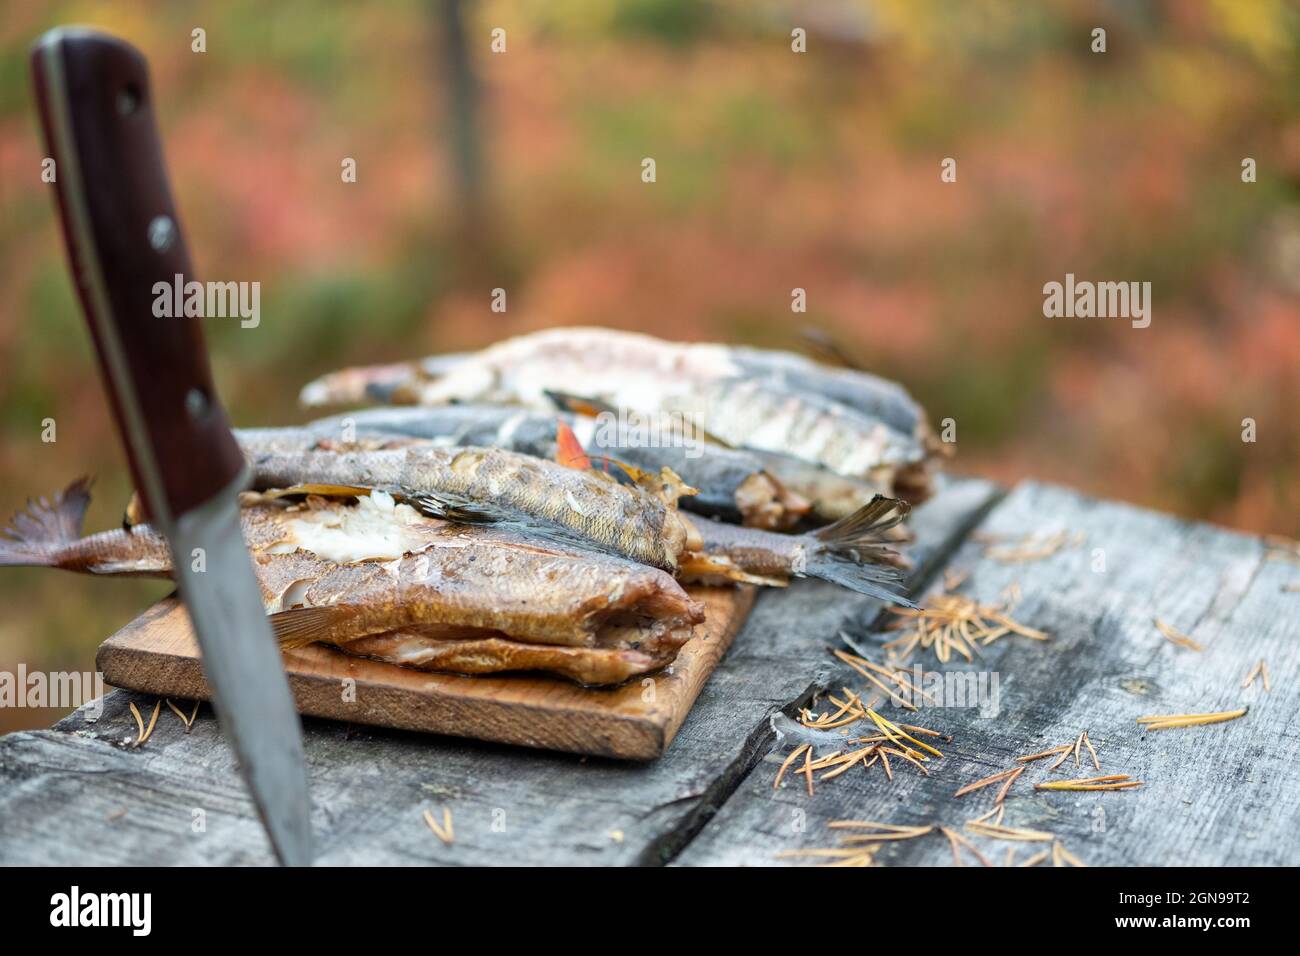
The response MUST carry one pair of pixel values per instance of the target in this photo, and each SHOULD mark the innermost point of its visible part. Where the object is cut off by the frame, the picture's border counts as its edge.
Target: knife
(122, 235)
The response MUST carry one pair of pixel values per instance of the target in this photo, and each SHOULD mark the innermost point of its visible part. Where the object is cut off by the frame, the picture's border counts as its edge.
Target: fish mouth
(655, 615)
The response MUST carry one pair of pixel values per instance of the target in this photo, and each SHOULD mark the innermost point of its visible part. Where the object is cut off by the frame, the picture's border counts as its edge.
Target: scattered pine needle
(187, 721)
(144, 732)
(987, 781)
(139, 721)
(954, 623)
(955, 839)
(1033, 547)
(1035, 859)
(443, 832)
(1065, 753)
(877, 832)
(886, 726)
(857, 848)
(998, 832)
(1006, 787)
(952, 580)
(1046, 753)
(794, 755)
(1190, 720)
(1260, 672)
(1063, 857)
(873, 672)
(1115, 781)
(1087, 742)
(1176, 636)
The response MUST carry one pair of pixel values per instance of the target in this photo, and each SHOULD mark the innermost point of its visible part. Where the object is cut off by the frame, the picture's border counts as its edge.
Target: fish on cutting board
(732, 485)
(377, 578)
(580, 508)
(591, 513)
(883, 435)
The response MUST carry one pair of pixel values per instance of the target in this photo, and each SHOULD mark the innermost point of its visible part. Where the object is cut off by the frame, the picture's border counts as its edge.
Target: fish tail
(852, 553)
(39, 535)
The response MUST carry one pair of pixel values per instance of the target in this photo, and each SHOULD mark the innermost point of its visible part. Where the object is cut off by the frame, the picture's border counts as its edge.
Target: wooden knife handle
(123, 236)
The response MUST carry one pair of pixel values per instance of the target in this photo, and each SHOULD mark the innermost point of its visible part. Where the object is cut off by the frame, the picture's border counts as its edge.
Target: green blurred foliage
(775, 170)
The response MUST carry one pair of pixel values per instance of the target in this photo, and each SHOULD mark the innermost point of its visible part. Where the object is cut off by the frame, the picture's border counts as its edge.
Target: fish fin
(706, 568)
(300, 626)
(38, 533)
(867, 525)
(875, 580)
(325, 491)
(568, 450)
(851, 552)
(591, 407)
(450, 507)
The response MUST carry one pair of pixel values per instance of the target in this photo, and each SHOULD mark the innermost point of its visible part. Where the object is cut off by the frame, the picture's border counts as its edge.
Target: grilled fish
(469, 599)
(731, 485)
(579, 508)
(852, 552)
(853, 423)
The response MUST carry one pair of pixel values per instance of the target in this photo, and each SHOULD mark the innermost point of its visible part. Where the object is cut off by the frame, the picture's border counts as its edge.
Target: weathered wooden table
(1221, 794)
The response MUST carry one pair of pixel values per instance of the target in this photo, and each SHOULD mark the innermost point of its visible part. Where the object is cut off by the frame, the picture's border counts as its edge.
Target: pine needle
(1116, 781)
(794, 755)
(1092, 752)
(1033, 547)
(1035, 859)
(873, 825)
(987, 781)
(1190, 720)
(1176, 636)
(1006, 787)
(882, 723)
(955, 839)
(1063, 857)
(139, 721)
(187, 721)
(1046, 753)
(953, 624)
(1259, 671)
(444, 831)
(145, 732)
(846, 763)
(998, 832)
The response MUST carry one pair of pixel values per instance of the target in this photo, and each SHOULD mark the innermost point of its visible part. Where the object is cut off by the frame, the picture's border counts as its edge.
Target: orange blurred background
(775, 170)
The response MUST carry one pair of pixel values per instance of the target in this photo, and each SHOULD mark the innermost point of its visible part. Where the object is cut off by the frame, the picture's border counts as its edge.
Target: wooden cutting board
(157, 654)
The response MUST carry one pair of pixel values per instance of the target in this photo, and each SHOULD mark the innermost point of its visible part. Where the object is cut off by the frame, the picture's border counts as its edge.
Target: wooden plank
(68, 797)
(1216, 795)
(157, 654)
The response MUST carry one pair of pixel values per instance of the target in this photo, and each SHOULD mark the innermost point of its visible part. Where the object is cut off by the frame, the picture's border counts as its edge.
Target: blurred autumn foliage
(774, 171)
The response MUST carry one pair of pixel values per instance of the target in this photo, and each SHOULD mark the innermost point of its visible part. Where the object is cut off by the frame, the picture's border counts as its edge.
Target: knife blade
(123, 236)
